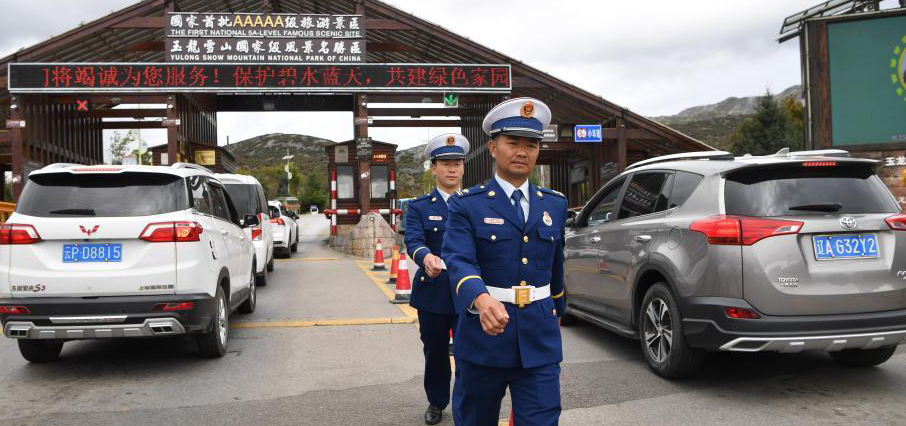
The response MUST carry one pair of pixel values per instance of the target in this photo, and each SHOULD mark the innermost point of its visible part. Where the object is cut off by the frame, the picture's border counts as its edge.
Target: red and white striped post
(393, 200)
(333, 202)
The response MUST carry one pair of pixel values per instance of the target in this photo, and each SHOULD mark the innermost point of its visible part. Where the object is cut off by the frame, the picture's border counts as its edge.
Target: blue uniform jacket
(425, 224)
(486, 245)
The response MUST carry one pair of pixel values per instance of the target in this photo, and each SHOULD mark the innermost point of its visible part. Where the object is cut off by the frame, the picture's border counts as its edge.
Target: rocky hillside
(270, 148)
(714, 123)
(409, 169)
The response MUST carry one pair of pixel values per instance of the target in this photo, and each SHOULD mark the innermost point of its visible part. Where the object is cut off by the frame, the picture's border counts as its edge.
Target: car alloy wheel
(222, 325)
(658, 330)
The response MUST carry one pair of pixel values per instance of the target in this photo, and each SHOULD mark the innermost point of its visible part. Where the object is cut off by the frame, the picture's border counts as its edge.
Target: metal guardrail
(6, 209)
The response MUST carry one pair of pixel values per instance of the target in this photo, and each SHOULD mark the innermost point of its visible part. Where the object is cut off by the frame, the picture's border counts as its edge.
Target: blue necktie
(517, 197)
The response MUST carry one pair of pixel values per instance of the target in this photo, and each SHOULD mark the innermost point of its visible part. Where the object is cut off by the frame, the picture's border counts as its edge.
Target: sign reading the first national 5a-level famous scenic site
(281, 78)
(256, 37)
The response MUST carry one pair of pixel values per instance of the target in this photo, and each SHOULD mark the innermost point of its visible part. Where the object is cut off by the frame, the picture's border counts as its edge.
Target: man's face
(448, 172)
(515, 155)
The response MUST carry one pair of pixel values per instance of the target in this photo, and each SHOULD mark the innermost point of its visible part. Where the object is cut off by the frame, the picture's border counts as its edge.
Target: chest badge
(547, 219)
(435, 218)
(493, 221)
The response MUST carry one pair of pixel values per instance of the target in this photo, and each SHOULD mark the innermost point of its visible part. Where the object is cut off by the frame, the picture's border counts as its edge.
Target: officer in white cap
(426, 220)
(504, 251)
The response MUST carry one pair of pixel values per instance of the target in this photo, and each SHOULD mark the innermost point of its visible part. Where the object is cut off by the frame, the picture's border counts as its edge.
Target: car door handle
(224, 232)
(642, 238)
(596, 239)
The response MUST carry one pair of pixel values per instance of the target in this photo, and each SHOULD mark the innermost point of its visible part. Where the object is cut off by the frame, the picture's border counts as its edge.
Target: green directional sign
(451, 100)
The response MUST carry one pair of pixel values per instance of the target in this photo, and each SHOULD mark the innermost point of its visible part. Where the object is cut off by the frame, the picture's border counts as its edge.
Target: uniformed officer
(504, 251)
(425, 225)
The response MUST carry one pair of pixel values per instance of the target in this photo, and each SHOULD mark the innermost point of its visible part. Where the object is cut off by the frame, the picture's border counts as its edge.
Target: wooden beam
(416, 112)
(637, 134)
(131, 125)
(140, 22)
(416, 123)
(389, 47)
(386, 24)
(112, 99)
(3, 81)
(146, 46)
(5, 137)
(126, 113)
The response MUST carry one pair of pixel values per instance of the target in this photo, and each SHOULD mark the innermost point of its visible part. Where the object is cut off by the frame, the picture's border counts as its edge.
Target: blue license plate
(83, 253)
(832, 247)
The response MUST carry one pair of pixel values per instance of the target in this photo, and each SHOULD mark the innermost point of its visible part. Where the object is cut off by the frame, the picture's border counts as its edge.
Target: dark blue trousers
(535, 393)
(435, 335)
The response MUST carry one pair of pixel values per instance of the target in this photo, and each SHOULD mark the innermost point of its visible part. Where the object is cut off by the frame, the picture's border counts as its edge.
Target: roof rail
(184, 165)
(821, 153)
(60, 165)
(699, 155)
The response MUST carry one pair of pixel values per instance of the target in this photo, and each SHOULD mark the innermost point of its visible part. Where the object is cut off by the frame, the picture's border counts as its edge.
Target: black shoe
(433, 415)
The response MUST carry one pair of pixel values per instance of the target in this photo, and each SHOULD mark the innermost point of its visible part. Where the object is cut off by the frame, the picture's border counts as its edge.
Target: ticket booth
(359, 171)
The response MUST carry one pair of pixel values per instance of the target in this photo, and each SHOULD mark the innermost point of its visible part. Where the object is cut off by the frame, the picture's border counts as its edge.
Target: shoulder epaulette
(551, 191)
(478, 189)
(422, 197)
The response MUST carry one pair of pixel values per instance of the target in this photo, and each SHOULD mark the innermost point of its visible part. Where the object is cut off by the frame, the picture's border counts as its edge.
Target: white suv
(286, 231)
(248, 197)
(97, 252)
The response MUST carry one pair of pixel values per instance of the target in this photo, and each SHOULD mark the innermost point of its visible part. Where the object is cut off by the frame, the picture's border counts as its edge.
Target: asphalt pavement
(325, 347)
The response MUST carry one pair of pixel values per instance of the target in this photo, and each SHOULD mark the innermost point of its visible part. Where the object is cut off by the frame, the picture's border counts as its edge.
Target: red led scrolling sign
(173, 77)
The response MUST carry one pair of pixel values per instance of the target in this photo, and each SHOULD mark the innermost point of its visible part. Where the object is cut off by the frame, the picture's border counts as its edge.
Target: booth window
(345, 183)
(379, 182)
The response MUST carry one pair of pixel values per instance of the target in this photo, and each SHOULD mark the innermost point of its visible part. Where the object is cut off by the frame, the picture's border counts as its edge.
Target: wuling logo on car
(88, 232)
(848, 222)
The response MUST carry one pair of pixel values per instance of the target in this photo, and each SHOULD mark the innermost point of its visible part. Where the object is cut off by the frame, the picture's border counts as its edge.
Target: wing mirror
(250, 220)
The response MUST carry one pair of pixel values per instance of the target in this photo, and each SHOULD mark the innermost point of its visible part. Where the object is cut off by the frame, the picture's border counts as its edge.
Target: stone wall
(360, 240)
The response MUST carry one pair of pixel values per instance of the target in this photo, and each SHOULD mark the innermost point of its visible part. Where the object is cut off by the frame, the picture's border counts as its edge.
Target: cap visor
(521, 133)
(450, 156)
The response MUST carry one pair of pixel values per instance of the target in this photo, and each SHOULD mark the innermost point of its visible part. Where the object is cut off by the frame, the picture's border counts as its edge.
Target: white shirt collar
(443, 194)
(509, 188)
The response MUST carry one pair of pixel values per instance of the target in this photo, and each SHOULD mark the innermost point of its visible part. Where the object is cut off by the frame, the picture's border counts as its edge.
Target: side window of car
(200, 199)
(642, 194)
(605, 209)
(262, 200)
(684, 183)
(218, 202)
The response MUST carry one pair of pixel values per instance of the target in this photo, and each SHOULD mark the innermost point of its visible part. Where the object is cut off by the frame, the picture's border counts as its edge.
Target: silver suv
(705, 251)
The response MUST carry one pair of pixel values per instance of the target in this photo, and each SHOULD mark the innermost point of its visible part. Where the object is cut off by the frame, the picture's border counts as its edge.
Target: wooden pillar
(172, 131)
(360, 123)
(17, 134)
(621, 145)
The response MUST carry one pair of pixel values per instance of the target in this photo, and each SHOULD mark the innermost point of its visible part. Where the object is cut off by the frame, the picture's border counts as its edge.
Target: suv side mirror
(570, 222)
(250, 220)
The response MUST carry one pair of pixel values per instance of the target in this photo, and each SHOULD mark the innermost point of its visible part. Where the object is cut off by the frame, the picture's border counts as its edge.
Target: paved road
(326, 348)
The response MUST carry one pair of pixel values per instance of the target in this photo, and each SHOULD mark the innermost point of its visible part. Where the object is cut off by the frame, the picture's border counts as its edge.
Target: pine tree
(767, 131)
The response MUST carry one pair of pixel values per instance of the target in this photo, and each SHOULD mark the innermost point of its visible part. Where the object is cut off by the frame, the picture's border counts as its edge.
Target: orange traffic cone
(394, 264)
(450, 349)
(403, 288)
(512, 421)
(379, 257)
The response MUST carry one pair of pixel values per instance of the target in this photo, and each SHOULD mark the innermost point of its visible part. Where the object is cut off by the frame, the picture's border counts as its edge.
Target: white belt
(520, 295)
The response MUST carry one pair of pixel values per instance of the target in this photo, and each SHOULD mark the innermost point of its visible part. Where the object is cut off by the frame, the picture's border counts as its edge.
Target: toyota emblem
(848, 222)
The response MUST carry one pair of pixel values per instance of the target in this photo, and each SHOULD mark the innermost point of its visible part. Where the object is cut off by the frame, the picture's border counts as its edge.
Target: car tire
(862, 358)
(248, 306)
(270, 264)
(39, 351)
(295, 247)
(661, 334)
(213, 343)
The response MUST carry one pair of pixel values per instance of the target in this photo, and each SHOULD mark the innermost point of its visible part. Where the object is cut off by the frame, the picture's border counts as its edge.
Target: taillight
(14, 310)
(742, 230)
(256, 233)
(172, 232)
(819, 164)
(170, 307)
(12, 233)
(278, 221)
(741, 313)
(897, 222)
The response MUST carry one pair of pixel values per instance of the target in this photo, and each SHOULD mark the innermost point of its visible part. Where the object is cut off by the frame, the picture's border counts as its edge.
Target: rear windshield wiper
(819, 207)
(84, 212)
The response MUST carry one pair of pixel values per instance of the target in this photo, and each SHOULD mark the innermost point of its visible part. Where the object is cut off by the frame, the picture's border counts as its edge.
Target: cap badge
(528, 110)
(451, 141)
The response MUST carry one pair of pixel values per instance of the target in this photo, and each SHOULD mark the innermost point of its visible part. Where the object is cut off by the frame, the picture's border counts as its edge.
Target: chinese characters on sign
(249, 37)
(72, 78)
(588, 133)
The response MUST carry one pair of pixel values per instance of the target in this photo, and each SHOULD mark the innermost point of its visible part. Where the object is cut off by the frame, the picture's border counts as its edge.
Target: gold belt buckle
(523, 295)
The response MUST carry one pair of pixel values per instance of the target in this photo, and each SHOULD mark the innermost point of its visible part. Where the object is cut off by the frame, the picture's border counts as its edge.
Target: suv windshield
(798, 190)
(243, 198)
(102, 195)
